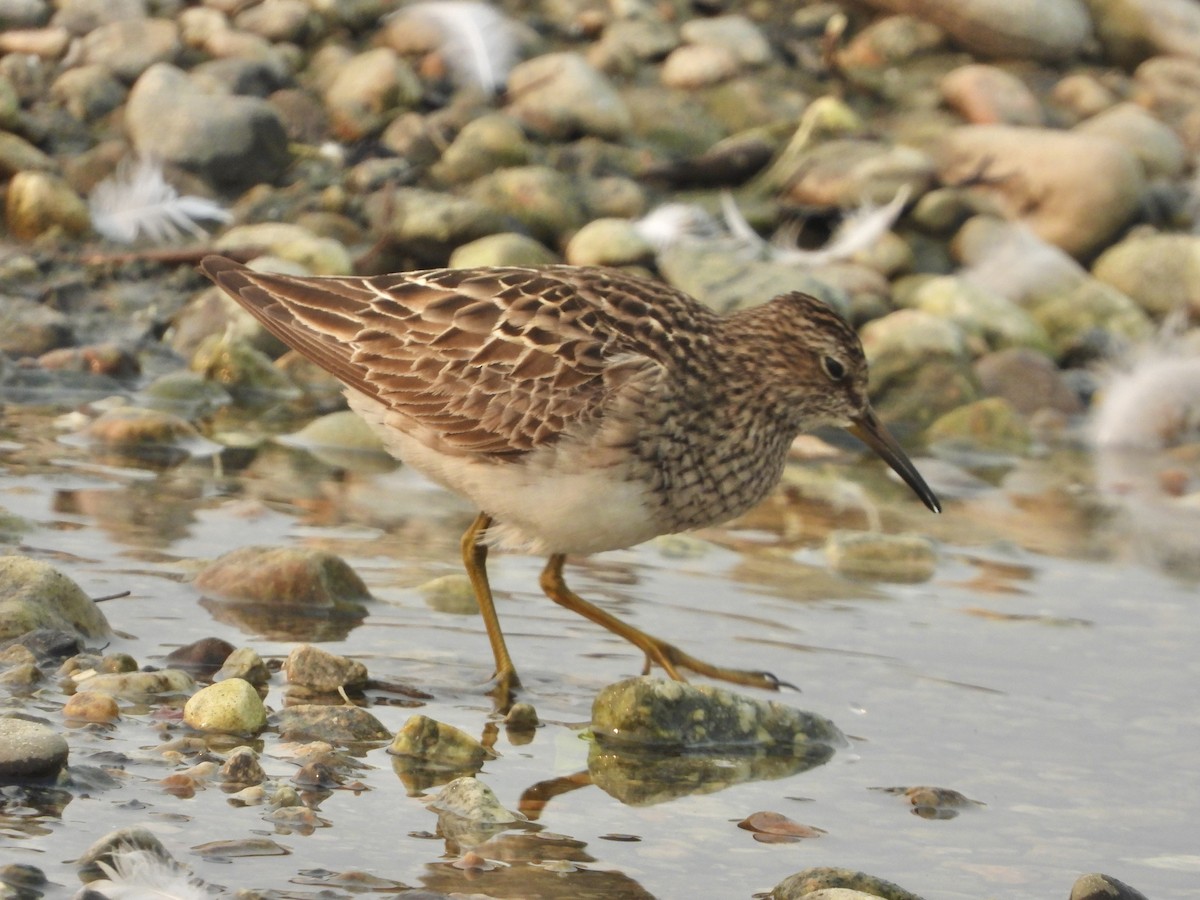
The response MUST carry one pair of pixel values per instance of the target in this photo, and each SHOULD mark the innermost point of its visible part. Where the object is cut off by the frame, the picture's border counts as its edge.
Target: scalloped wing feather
(481, 361)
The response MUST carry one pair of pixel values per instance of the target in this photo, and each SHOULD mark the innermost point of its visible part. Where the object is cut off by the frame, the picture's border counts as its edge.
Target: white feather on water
(479, 43)
(675, 222)
(137, 200)
(145, 875)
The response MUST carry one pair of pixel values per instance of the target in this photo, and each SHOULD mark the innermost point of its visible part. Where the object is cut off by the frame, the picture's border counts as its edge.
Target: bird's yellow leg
(475, 560)
(657, 651)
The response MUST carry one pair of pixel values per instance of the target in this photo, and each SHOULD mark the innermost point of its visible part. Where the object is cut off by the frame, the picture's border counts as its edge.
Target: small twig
(111, 597)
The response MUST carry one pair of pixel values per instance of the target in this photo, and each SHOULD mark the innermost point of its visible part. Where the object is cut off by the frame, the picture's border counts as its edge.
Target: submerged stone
(655, 713)
(825, 878)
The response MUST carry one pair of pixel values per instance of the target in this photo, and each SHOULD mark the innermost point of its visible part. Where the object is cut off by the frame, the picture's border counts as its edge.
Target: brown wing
(492, 360)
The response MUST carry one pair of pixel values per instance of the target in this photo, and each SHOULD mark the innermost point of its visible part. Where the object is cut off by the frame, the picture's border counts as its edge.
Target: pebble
(319, 670)
(232, 141)
(560, 95)
(505, 249)
(29, 750)
(1159, 272)
(653, 713)
(284, 576)
(34, 595)
(232, 706)
(827, 883)
(1072, 189)
(899, 558)
(246, 664)
(40, 204)
(990, 424)
(91, 706)
(335, 724)
(985, 95)
(439, 746)
(139, 685)
(1025, 29)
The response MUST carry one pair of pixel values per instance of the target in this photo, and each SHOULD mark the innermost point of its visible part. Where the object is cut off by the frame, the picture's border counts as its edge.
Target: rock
(122, 840)
(242, 767)
(652, 713)
(317, 669)
(560, 95)
(919, 366)
(81, 16)
(48, 43)
(94, 359)
(34, 595)
(317, 255)
(91, 706)
(430, 223)
(188, 395)
(127, 48)
(1073, 190)
(990, 424)
(233, 142)
(38, 203)
(88, 92)
(29, 329)
(244, 371)
(544, 200)
(1027, 379)
(521, 717)
(146, 433)
(1073, 316)
(334, 724)
(367, 91)
(848, 172)
(1133, 30)
(721, 277)
(734, 32)
(985, 95)
(432, 747)
(1083, 94)
(200, 658)
(1020, 29)
(18, 155)
(504, 249)
(138, 685)
(1096, 886)
(869, 555)
(889, 42)
(246, 664)
(450, 594)
(232, 706)
(813, 882)
(24, 14)
(29, 750)
(20, 677)
(980, 314)
(492, 141)
(283, 576)
(343, 431)
(609, 242)
(1159, 272)
(281, 21)
(470, 799)
(695, 66)
(1168, 87)
(1155, 145)
(626, 43)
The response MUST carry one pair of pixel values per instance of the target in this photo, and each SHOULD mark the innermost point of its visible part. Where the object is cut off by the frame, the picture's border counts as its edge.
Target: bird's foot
(671, 659)
(504, 689)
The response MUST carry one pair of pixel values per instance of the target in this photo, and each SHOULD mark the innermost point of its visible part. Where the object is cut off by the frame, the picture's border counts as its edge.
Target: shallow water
(1048, 671)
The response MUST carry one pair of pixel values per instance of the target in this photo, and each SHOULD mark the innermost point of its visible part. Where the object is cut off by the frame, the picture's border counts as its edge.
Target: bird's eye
(833, 368)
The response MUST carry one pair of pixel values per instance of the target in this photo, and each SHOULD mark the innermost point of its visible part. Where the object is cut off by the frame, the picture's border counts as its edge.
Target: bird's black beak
(872, 432)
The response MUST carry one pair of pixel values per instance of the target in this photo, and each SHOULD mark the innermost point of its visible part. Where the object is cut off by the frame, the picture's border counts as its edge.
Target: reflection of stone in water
(532, 882)
(643, 779)
(145, 514)
(285, 623)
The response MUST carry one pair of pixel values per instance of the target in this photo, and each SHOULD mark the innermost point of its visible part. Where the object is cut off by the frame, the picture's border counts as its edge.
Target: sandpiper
(580, 409)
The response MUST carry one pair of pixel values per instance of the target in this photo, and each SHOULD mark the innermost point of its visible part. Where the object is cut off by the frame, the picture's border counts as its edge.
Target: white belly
(549, 501)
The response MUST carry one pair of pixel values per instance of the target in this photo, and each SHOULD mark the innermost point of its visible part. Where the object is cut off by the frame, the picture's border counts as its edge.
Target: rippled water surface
(1048, 671)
